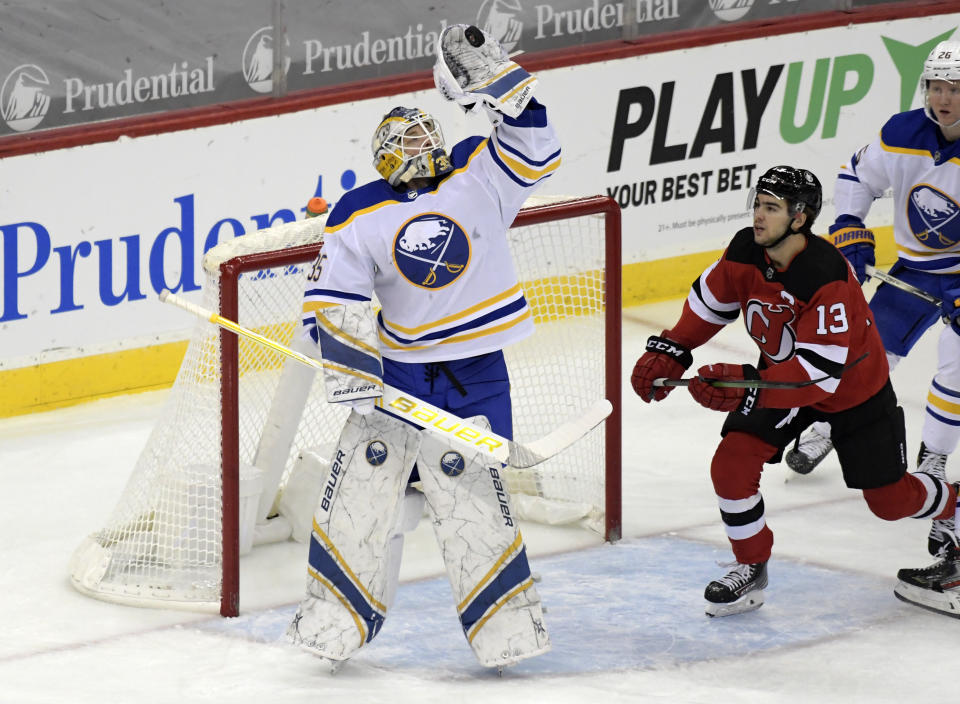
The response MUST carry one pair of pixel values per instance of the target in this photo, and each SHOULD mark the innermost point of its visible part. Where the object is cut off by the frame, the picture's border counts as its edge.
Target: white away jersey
(911, 156)
(438, 259)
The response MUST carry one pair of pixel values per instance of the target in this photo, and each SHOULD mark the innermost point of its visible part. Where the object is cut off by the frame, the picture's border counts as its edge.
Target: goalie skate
(737, 592)
(942, 533)
(809, 451)
(935, 588)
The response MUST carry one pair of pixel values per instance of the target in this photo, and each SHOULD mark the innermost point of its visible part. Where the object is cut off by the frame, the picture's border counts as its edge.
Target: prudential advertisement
(90, 235)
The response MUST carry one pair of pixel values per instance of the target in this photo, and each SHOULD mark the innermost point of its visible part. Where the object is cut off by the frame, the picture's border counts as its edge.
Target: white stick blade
(534, 453)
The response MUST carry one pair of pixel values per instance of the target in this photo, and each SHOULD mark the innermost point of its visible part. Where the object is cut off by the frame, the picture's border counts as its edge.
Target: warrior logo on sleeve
(770, 324)
(932, 215)
(431, 250)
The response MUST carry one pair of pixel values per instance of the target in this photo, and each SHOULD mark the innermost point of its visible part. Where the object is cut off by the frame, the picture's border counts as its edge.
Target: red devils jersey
(808, 321)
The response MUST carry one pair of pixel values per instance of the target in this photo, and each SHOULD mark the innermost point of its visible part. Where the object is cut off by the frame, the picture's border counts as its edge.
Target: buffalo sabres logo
(376, 453)
(770, 324)
(452, 464)
(932, 216)
(431, 250)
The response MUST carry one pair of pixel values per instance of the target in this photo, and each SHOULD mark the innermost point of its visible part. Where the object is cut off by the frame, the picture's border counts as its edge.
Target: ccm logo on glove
(706, 392)
(662, 345)
(665, 359)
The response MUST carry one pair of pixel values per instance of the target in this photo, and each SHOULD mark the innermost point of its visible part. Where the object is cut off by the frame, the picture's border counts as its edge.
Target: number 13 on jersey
(832, 319)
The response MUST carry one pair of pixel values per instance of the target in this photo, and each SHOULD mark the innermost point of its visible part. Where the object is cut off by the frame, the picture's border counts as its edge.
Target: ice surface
(626, 620)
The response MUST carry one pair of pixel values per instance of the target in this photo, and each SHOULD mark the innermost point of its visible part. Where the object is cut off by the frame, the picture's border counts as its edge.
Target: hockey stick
(902, 285)
(424, 415)
(758, 383)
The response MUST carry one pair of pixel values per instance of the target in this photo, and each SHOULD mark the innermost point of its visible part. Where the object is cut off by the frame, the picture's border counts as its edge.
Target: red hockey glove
(663, 359)
(727, 399)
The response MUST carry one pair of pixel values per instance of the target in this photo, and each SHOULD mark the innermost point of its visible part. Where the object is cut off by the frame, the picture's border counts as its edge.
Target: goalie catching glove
(663, 359)
(743, 401)
(473, 70)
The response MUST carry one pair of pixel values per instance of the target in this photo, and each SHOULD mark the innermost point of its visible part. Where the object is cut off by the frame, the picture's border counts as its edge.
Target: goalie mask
(408, 144)
(943, 64)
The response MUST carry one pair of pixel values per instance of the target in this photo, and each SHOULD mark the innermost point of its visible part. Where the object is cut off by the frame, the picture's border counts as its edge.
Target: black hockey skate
(738, 591)
(808, 451)
(942, 533)
(935, 588)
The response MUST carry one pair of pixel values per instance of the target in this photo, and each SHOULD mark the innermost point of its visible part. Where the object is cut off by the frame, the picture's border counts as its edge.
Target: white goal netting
(164, 543)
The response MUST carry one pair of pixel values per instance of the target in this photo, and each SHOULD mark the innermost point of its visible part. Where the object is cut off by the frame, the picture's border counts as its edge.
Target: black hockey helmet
(798, 186)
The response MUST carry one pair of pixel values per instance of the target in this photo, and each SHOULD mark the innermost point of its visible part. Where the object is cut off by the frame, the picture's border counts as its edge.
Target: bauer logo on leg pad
(501, 496)
(336, 467)
(376, 453)
(452, 464)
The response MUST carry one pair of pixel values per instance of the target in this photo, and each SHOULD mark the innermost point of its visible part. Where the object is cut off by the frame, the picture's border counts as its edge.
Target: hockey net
(240, 416)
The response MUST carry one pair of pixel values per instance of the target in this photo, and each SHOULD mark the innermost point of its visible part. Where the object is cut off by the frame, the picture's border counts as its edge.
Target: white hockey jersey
(923, 169)
(438, 259)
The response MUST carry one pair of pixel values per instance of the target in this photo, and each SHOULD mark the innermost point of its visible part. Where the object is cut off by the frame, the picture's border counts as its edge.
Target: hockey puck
(474, 36)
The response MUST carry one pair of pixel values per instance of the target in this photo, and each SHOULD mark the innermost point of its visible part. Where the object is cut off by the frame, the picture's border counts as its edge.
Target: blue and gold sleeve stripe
(523, 170)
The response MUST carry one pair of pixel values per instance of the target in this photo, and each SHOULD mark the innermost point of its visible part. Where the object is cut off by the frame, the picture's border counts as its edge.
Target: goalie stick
(429, 417)
(758, 383)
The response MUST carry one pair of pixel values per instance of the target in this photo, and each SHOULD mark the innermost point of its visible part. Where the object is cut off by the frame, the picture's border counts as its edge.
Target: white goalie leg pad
(359, 511)
(484, 554)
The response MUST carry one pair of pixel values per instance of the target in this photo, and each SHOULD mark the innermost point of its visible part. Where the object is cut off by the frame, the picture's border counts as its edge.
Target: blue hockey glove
(950, 306)
(857, 244)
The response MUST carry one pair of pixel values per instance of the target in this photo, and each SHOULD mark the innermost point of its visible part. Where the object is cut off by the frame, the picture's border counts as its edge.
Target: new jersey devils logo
(770, 325)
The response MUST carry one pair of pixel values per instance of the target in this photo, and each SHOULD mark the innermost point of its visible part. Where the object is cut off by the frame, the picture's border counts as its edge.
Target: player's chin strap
(424, 415)
(790, 230)
(781, 238)
(928, 111)
(751, 197)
